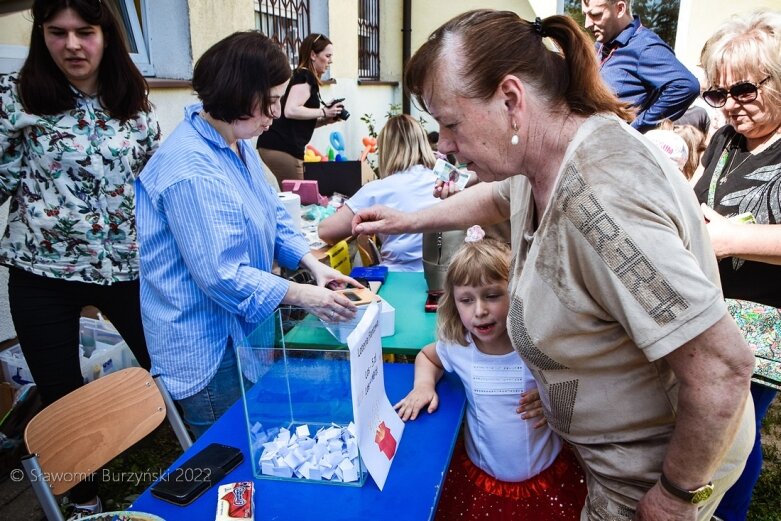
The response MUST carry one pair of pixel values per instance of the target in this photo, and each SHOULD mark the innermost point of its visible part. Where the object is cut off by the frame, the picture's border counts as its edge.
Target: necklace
(718, 178)
(731, 168)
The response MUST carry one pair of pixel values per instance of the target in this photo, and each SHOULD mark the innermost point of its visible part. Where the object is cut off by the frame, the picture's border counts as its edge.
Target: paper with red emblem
(235, 501)
(379, 428)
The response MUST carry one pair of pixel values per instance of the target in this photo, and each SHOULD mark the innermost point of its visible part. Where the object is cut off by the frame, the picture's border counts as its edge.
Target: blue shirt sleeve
(208, 224)
(674, 86)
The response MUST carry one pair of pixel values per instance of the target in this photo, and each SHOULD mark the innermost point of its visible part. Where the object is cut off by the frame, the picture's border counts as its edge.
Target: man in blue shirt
(640, 68)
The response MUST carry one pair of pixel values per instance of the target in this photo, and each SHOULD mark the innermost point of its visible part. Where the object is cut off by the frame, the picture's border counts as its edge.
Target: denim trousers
(735, 503)
(205, 407)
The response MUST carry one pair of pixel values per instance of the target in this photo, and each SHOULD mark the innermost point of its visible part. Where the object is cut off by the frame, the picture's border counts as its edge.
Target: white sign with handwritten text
(379, 427)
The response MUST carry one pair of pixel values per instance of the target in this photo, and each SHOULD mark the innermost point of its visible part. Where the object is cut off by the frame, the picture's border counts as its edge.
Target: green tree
(661, 16)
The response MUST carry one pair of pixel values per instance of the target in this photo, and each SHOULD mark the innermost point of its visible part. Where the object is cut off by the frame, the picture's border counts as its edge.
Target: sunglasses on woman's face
(741, 92)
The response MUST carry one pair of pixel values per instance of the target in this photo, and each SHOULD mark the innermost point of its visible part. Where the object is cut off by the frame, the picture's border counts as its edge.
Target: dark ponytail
(584, 90)
(568, 75)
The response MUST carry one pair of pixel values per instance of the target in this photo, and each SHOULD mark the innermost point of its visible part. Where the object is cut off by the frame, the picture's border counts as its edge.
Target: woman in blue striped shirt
(210, 227)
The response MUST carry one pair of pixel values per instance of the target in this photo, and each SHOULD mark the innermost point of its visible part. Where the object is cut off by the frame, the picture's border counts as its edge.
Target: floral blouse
(70, 177)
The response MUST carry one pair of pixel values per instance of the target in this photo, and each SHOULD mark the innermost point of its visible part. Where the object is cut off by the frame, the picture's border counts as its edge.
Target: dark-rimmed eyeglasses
(741, 92)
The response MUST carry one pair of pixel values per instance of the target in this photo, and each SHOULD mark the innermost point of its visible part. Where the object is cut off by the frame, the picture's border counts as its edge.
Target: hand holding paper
(448, 173)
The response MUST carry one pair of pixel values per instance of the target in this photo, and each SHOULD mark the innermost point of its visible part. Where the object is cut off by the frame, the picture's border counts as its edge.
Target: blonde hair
(475, 264)
(749, 46)
(695, 142)
(403, 143)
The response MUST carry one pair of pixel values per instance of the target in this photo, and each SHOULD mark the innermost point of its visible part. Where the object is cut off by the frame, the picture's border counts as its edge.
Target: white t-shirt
(498, 440)
(407, 191)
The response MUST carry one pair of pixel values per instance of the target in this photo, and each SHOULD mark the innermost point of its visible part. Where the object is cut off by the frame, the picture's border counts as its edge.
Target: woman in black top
(282, 146)
(741, 192)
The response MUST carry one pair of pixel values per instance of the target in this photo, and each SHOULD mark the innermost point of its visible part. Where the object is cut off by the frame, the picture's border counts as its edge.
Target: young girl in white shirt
(507, 467)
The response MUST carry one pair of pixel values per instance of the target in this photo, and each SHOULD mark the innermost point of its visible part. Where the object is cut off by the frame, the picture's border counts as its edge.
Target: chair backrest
(87, 428)
(368, 250)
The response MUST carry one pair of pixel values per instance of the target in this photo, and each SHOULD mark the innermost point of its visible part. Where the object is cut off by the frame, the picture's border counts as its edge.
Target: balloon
(315, 151)
(313, 154)
(369, 146)
(337, 141)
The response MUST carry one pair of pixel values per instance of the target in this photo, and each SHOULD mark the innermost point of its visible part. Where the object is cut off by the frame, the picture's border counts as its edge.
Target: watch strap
(690, 496)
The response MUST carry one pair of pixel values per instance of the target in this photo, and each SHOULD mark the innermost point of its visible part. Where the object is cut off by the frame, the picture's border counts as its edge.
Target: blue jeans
(734, 505)
(205, 407)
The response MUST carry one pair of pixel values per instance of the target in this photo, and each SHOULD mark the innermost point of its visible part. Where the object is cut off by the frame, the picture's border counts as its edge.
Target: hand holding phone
(195, 476)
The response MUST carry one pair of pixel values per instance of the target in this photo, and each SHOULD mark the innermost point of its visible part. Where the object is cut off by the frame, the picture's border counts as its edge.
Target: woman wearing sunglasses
(741, 192)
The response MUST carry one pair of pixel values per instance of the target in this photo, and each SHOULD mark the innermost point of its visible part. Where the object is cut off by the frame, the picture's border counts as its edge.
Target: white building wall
(698, 19)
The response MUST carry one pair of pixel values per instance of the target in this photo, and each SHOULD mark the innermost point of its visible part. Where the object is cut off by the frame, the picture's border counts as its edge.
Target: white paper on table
(379, 427)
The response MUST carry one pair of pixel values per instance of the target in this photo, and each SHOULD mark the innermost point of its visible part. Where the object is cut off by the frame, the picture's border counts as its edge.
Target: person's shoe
(82, 511)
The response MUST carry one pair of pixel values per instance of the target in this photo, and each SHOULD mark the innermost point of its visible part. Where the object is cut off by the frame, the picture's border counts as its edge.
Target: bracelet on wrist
(324, 115)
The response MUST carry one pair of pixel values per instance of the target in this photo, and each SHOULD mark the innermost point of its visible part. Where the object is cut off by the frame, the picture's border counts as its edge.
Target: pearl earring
(515, 139)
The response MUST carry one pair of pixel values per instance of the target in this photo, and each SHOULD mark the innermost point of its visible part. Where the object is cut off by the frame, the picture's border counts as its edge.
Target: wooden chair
(82, 431)
(368, 250)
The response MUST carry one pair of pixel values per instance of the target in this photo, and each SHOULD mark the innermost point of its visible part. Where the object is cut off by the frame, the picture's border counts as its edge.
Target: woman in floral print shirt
(76, 127)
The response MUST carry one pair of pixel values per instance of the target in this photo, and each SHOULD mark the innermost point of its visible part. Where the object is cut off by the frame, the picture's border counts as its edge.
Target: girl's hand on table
(409, 407)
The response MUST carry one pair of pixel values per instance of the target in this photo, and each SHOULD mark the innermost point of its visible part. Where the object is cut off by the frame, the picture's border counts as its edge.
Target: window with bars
(369, 39)
(284, 21)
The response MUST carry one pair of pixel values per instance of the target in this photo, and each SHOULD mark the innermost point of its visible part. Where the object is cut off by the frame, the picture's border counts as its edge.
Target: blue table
(411, 490)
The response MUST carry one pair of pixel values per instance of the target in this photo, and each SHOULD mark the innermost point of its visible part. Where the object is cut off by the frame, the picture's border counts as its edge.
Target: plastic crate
(15, 369)
(102, 350)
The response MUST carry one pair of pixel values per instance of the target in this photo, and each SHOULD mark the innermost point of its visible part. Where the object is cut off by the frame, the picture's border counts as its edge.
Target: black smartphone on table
(195, 476)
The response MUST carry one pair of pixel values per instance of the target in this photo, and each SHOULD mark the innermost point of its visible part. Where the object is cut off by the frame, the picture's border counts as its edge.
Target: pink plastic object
(306, 189)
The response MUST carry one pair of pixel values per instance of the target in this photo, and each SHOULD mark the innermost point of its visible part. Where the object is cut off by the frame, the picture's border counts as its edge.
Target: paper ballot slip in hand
(379, 428)
(446, 172)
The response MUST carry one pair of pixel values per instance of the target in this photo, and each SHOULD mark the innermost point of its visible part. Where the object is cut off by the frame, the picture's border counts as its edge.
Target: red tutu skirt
(555, 494)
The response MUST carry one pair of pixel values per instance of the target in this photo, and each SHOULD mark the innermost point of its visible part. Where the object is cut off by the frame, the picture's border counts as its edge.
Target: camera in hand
(344, 114)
